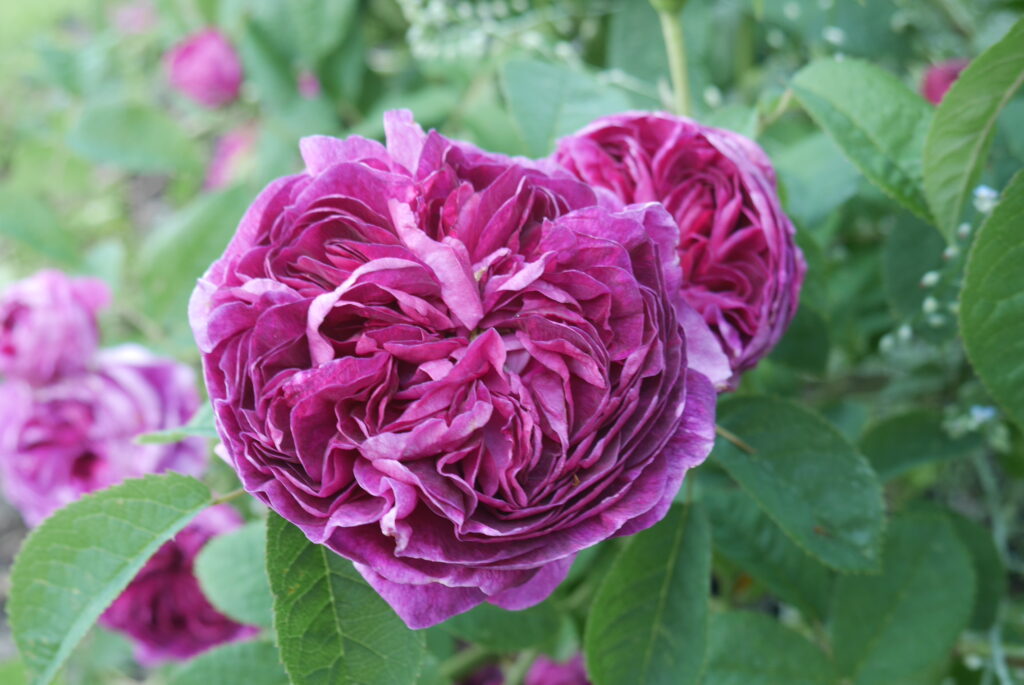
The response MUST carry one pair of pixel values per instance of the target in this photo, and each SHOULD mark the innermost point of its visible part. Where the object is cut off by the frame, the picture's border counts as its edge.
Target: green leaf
(202, 425)
(232, 572)
(507, 631)
(648, 622)
(900, 442)
(992, 302)
(960, 136)
(31, 223)
(807, 478)
(320, 25)
(744, 535)
(817, 179)
(332, 628)
(79, 560)
(747, 648)
(877, 121)
(13, 673)
(989, 570)
(804, 347)
(180, 250)
(252, 663)
(887, 629)
(549, 101)
(134, 137)
(911, 249)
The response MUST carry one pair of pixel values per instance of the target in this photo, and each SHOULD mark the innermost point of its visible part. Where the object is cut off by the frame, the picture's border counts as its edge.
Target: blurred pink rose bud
(164, 609)
(135, 18)
(232, 155)
(940, 77)
(76, 435)
(741, 269)
(205, 68)
(309, 85)
(544, 671)
(48, 326)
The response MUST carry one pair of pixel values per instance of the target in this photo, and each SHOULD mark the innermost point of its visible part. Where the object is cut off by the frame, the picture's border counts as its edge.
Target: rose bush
(76, 435)
(741, 268)
(48, 326)
(163, 610)
(452, 367)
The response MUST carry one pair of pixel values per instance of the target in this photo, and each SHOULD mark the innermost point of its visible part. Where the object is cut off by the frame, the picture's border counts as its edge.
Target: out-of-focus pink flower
(940, 77)
(232, 155)
(544, 671)
(164, 610)
(741, 269)
(451, 367)
(206, 68)
(48, 326)
(309, 85)
(76, 435)
(135, 18)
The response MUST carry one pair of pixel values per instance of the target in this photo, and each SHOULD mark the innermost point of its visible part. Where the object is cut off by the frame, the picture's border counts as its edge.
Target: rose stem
(734, 439)
(672, 28)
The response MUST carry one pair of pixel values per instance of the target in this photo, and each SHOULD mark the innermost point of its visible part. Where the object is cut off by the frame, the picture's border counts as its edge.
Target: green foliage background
(864, 527)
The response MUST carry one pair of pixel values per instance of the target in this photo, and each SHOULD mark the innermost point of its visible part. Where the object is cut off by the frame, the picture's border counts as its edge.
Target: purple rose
(48, 326)
(450, 367)
(164, 610)
(741, 268)
(76, 435)
(544, 671)
(939, 78)
(206, 68)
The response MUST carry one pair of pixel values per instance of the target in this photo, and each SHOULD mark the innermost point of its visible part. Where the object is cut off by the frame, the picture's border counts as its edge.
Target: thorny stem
(734, 439)
(675, 44)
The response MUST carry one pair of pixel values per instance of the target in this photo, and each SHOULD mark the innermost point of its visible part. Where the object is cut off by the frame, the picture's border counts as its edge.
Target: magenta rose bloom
(450, 367)
(48, 326)
(544, 671)
(742, 270)
(164, 610)
(206, 68)
(940, 77)
(76, 435)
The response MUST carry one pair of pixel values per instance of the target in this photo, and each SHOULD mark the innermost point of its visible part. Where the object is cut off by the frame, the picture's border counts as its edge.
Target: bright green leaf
(232, 572)
(549, 101)
(320, 25)
(134, 137)
(507, 631)
(961, 134)
(900, 442)
(202, 425)
(817, 179)
(251, 663)
(746, 648)
(648, 622)
(744, 535)
(13, 673)
(78, 561)
(333, 628)
(889, 628)
(807, 478)
(992, 302)
(877, 121)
